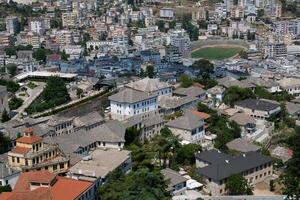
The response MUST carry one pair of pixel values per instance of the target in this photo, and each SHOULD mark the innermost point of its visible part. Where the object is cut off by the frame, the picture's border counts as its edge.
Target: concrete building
(12, 25)
(5, 39)
(130, 102)
(69, 19)
(189, 128)
(31, 153)
(167, 13)
(259, 109)
(152, 85)
(97, 165)
(181, 40)
(288, 27)
(45, 185)
(3, 99)
(216, 167)
(273, 50)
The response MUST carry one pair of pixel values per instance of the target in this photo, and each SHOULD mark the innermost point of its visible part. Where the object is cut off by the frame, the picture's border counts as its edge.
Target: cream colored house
(31, 154)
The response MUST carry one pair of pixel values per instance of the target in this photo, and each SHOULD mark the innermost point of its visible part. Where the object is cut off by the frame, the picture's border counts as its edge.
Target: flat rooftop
(101, 163)
(44, 74)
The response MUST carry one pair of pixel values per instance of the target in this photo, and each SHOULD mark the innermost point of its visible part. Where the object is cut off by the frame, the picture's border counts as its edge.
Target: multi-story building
(216, 167)
(69, 19)
(31, 153)
(237, 12)
(39, 25)
(3, 99)
(259, 109)
(273, 50)
(130, 102)
(181, 40)
(5, 39)
(167, 13)
(290, 85)
(190, 128)
(12, 25)
(288, 27)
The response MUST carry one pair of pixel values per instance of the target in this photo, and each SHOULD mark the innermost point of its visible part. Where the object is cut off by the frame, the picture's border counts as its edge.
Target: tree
(64, 56)
(12, 69)
(185, 81)
(186, 154)
(15, 103)
(5, 117)
(5, 188)
(150, 71)
(4, 143)
(79, 92)
(205, 68)
(11, 85)
(235, 93)
(243, 54)
(40, 54)
(236, 184)
(192, 30)
(260, 14)
(140, 184)
(132, 136)
(10, 51)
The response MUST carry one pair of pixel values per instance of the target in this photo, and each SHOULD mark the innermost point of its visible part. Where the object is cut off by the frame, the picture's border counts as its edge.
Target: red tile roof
(29, 140)
(203, 115)
(20, 150)
(63, 189)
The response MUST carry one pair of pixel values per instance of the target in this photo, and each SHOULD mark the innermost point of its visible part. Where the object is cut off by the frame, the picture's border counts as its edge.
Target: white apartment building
(12, 25)
(130, 102)
(181, 40)
(166, 13)
(288, 27)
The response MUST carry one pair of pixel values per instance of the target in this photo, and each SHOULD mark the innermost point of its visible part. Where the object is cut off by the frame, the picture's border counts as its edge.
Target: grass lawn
(216, 53)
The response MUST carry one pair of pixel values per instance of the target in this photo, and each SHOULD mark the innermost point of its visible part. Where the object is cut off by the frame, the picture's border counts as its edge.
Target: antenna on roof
(227, 161)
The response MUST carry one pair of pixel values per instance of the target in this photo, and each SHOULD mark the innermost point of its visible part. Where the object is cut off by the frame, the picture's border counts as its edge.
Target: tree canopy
(185, 81)
(205, 68)
(236, 184)
(235, 93)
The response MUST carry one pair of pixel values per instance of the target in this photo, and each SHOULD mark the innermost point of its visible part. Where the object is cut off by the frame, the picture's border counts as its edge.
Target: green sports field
(216, 53)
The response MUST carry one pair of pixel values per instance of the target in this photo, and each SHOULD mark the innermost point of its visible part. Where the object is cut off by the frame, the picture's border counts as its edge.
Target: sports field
(216, 53)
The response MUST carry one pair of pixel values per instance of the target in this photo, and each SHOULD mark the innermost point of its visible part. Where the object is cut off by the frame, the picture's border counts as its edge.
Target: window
(18, 160)
(61, 166)
(54, 167)
(13, 159)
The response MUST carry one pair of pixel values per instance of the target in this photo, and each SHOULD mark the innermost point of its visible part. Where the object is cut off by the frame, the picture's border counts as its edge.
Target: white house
(8, 176)
(130, 102)
(190, 128)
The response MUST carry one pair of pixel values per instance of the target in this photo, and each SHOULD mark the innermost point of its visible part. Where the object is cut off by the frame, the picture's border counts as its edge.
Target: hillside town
(149, 99)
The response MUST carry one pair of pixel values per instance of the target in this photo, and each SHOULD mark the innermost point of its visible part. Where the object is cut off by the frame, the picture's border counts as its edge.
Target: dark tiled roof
(213, 156)
(258, 104)
(224, 169)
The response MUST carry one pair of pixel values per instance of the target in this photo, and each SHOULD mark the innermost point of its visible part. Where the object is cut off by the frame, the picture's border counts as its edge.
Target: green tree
(132, 136)
(5, 188)
(12, 69)
(5, 117)
(15, 103)
(260, 14)
(10, 51)
(4, 143)
(40, 54)
(243, 54)
(235, 93)
(185, 81)
(79, 92)
(205, 68)
(236, 184)
(150, 71)
(186, 154)
(11, 85)
(64, 56)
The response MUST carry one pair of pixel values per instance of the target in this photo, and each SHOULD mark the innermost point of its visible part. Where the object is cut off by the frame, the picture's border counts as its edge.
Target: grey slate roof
(292, 108)
(255, 104)
(173, 176)
(5, 171)
(242, 119)
(111, 131)
(148, 85)
(128, 95)
(175, 102)
(242, 145)
(223, 169)
(186, 122)
(89, 119)
(213, 156)
(192, 91)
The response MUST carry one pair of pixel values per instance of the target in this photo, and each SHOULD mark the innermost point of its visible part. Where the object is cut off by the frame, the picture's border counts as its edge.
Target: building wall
(187, 135)
(10, 180)
(258, 113)
(122, 111)
(3, 101)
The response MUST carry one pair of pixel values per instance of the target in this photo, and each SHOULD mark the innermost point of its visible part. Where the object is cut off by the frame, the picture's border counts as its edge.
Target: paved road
(34, 93)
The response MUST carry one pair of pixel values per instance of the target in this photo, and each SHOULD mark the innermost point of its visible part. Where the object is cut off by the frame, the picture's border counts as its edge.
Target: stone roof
(289, 82)
(5, 171)
(175, 102)
(242, 119)
(264, 105)
(229, 82)
(192, 91)
(224, 168)
(242, 145)
(148, 85)
(186, 122)
(292, 108)
(173, 177)
(128, 95)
